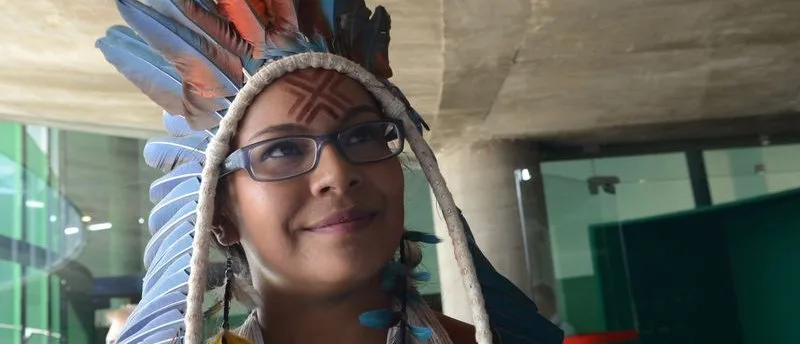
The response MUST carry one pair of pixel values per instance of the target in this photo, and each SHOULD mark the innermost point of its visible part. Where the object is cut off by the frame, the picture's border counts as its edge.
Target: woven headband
(204, 62)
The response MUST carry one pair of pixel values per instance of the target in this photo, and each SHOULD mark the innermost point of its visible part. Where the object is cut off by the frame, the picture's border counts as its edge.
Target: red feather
(282, 15)
(248, 21)
(312, 20)
(198, 118)
(260, 8)
(218, 28)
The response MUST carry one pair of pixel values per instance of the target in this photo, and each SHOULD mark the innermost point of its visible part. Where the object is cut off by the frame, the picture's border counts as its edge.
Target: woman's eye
(364, 134)
(281, 150)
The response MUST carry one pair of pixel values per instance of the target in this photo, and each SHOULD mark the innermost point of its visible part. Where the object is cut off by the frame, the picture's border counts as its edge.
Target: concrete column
(481, 177)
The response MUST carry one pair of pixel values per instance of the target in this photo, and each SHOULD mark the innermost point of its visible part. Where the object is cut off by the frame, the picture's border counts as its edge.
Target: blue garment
(512, 315)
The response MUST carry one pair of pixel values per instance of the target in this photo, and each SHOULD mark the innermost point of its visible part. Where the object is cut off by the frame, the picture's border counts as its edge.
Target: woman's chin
(332, 278)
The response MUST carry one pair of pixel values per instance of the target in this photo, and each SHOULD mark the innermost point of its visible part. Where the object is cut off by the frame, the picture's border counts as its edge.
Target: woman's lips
(343, 222)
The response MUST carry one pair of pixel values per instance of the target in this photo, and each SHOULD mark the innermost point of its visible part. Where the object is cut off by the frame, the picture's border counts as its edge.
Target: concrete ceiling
(568, 69)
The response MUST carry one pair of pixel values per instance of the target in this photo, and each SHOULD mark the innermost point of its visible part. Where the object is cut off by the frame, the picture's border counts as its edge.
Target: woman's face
(288, 227)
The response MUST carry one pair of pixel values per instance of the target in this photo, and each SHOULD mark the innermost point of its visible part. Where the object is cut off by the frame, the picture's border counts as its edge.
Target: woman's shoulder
(459, 331)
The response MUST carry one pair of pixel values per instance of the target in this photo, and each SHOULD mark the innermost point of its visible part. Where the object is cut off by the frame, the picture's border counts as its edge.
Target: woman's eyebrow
(294, 128)
(357, 110)
(280, 128)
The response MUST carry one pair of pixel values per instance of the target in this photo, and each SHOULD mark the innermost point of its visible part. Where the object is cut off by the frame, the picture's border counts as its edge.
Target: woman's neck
(300, 319)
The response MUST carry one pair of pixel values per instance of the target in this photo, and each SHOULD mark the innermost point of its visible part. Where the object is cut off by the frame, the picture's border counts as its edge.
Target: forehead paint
(316, 92)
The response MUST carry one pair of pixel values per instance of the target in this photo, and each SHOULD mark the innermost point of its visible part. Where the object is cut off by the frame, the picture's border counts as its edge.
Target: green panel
(55, 305)
(76, 332)
(36, 305)
(11, 311)
(11, 226)
(718, 274)
(11, 140)
(763, 243)
(582, 304)
(611, 279)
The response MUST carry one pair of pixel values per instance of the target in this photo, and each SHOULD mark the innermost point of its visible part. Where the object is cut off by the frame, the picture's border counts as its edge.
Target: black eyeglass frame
(240, 158)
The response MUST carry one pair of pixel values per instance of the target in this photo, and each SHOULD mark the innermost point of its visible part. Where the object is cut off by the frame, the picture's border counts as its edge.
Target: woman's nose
(334, 173)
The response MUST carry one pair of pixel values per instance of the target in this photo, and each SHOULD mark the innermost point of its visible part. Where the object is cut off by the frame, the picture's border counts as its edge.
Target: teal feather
(422, 237)
(379, 319)
(390, 273)
(295, 43)
(422, 333)
(421, 276)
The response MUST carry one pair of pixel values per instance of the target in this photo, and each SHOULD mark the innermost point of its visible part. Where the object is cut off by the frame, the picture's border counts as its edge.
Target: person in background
(116, 321)
(545, 299)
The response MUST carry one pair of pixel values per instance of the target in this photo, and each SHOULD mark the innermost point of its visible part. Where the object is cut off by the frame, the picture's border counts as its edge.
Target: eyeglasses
(290, 156)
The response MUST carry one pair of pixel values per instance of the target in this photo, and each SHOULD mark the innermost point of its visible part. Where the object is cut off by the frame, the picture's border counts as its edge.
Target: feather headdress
(204, 62)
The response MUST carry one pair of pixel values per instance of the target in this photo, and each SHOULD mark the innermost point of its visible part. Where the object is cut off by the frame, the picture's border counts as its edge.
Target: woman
(285, 137)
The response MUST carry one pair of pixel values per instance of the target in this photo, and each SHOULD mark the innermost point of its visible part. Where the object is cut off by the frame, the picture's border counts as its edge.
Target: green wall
(419, 217)
(649, 185)
(763, 246)
(11, 226)
(31, 210)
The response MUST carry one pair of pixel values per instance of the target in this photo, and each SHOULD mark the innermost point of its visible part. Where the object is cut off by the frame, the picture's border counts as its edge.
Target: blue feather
(422, 237)
(378, 319)
(415, 117)
(210, 70)
(176, 256)
(166, 336)
(162, 186)
(182, 221)
(421, 276)
(295, 43)
(221, 32)
(170, 321)
(149, 309)
(172, 10)
(161, 297)
(166, 153)
(170, 251)
(185, 193)
(146, 74)
(422, 333)
(329, 8)
(169, 235)
(123, 32)
(152, 74)
(125, 37)
(176, 125)
(208, 5)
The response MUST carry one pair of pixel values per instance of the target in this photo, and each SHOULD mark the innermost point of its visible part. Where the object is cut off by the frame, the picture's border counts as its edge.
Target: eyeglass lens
(290, 156)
